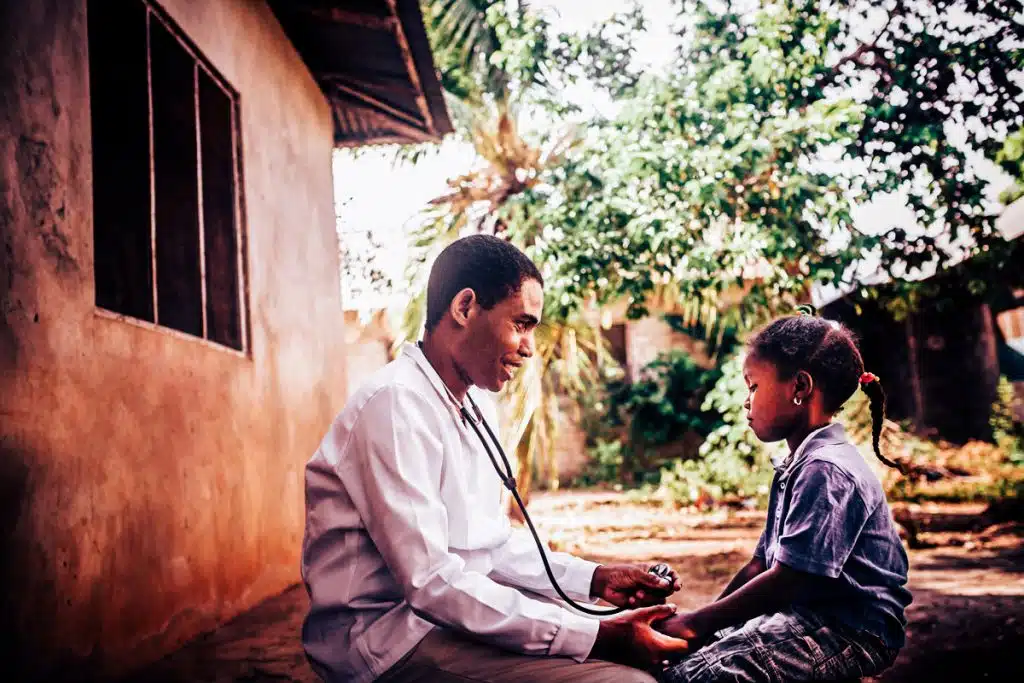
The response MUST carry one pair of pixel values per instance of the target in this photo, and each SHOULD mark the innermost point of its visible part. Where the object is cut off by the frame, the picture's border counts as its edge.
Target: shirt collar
(415, 354)
(833, 432)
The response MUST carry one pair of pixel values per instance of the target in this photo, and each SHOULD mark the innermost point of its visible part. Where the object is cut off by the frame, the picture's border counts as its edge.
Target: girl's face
(770, 408)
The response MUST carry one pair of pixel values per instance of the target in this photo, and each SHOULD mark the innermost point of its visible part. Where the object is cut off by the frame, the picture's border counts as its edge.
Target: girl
(823, 597)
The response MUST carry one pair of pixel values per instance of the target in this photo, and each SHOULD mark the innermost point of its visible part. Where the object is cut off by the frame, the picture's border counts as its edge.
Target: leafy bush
(1006, 488)
(604, 464)
(1007, 430)
(717, 476)
(731, 462)
(666, 402)
(1011, 158)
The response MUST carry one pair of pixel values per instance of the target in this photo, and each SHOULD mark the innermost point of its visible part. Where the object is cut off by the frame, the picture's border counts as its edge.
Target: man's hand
(625, 585)
(630, 639)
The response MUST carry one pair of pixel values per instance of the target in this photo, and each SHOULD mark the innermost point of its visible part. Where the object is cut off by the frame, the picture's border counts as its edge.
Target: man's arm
(517, 562)
(391, 470)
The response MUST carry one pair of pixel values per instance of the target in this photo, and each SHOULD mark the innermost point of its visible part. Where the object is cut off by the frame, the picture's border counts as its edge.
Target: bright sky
(376, 196)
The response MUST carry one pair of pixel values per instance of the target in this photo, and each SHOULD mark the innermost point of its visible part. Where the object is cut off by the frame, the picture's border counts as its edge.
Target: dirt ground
(967, 576)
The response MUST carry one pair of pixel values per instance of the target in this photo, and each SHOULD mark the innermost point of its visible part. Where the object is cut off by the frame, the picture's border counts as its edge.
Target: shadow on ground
(966, 623)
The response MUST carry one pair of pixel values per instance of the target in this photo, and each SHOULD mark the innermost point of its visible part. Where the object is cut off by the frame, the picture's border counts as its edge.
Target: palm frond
(463, 43)
(570, 353)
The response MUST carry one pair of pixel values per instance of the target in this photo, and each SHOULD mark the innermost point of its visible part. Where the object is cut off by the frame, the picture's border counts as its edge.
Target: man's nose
(527, 345)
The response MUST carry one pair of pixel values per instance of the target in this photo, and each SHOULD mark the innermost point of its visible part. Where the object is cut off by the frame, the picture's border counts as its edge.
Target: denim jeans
(785, 647)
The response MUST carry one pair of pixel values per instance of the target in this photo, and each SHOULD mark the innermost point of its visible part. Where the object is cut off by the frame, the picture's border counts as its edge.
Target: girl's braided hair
(826, 350)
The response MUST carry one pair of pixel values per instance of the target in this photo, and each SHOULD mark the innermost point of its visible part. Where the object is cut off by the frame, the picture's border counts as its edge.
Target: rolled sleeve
(576, 637)
(824, 520)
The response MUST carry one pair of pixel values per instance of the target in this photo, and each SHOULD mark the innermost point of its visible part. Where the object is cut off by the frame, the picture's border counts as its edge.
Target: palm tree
(463, 43)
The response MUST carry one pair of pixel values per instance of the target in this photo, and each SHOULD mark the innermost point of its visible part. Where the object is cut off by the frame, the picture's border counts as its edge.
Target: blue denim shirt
(827, 515)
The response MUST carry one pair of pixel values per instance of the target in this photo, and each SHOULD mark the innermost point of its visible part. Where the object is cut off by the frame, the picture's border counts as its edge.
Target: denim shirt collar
(831, 433)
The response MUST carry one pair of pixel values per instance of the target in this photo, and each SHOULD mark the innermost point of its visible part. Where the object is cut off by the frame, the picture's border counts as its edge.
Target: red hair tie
(868, 378)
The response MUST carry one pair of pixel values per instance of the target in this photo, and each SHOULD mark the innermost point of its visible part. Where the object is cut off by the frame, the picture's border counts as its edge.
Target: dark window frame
(228, 306)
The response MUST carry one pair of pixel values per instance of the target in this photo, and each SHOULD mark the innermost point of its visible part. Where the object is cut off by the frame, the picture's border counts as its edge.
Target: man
(413, 570)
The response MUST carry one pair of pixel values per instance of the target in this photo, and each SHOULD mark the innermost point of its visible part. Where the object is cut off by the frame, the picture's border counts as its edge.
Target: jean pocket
(843, 665)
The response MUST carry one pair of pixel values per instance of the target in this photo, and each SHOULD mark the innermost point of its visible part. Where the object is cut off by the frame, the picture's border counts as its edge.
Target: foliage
(730, 179)
(1011, 158)
(495, 61)
(732, 461)
(722, 189)
(604, 464)
(722, 338)
(1007, 430)
(665, 402)
(718, 475)
(463, 42)
(937, 71)
(1005, 488)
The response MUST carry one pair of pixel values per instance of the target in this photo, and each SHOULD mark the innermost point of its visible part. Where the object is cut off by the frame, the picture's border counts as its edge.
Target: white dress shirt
(405, 530)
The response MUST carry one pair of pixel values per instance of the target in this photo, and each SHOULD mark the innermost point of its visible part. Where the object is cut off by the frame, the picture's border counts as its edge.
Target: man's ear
(804, 385)
(463, 306)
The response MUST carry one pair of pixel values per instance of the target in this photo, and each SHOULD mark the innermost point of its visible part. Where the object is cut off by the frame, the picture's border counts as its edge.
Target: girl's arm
(749, 571)
(768, 592)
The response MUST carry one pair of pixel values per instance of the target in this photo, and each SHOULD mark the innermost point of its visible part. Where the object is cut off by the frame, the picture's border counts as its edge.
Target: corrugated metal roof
(373, 62)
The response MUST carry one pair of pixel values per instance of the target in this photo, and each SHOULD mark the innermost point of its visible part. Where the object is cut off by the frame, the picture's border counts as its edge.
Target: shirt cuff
(805, 564)
(576, 636)
(579, 575)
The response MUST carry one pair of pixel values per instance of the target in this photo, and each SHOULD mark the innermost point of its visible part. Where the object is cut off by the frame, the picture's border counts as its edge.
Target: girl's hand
(631, 639)
(684, 626)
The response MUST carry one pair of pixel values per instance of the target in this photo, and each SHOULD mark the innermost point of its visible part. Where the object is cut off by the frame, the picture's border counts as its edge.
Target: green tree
(721, 190)
(497, 62)
(729, 179)
(1011, 158)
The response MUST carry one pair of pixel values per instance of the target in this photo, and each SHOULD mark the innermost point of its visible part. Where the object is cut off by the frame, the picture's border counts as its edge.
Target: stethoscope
(508, 480)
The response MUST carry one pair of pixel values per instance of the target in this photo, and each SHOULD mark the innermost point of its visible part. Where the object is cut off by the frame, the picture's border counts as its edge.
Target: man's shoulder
(399, 379)
(392, 393)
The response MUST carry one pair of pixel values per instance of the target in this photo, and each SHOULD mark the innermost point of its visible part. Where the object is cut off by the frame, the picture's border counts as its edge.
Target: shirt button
(782, 486)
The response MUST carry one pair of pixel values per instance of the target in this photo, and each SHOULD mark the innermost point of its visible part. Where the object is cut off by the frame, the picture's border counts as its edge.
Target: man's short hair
(492, 267)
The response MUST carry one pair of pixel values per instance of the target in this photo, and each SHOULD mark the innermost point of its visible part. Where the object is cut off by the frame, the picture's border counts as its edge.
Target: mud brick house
(171, 335)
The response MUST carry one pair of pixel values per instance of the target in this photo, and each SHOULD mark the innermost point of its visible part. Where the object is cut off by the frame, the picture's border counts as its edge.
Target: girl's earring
(798, 400)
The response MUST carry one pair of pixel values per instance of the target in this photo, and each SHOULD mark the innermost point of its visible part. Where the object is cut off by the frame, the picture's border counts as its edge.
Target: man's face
(498, 341)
